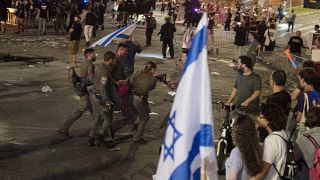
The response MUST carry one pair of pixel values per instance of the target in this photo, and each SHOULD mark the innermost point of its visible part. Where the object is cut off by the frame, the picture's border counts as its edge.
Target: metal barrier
(220, 38)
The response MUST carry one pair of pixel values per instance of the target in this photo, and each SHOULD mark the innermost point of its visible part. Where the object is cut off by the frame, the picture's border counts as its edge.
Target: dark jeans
(149, 33)
(164, 48)
(227, 26)
(290, 24)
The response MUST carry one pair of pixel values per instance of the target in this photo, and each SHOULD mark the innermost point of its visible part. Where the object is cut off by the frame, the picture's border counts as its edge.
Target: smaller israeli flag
(118, 35)
(188, 146)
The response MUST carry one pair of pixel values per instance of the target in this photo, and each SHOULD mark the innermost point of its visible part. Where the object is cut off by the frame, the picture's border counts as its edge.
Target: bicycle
(225, 145)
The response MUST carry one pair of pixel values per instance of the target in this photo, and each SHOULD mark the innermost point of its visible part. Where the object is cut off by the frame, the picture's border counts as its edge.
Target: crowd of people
(262, 132)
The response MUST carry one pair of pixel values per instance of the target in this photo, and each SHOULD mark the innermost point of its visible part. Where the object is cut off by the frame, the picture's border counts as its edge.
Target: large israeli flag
(119, 35)
(188, 146)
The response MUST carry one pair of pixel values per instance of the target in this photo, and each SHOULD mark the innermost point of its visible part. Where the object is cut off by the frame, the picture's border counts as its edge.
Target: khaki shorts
(74, 46)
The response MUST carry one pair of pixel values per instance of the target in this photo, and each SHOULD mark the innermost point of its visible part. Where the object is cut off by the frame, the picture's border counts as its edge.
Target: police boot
(91, 141)
(101, 143)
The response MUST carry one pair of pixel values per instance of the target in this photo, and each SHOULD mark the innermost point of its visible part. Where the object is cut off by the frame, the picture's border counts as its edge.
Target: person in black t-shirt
(228, 20)
(43, 15)
(240, 39)
(20, 15)
(75, 37)
(295, 44)
(280, 96)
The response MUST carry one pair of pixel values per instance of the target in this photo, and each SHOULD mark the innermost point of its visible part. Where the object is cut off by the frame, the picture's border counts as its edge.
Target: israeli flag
(188, 147)
(121, 34)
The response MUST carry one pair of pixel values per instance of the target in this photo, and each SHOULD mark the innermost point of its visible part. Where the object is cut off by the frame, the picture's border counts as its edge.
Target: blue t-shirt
(234, 163)
(313, 97)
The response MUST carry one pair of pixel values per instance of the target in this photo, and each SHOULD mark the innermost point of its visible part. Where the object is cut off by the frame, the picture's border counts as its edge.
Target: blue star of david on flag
(169, 148)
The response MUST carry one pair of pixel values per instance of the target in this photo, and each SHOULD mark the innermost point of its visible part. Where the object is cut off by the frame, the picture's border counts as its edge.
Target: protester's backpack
(76, 82)
(291, 166)
(314, 172)
(153, 23)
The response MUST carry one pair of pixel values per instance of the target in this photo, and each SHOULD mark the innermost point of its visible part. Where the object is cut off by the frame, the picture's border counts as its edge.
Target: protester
(308, 142)
(20, 14)
(163, 7)
(262, 27)
(227, 23)
(295, 44)
(309, 97)
(43, 16)
(247, 93)
(270, 38)
(133, 48)
(187, 38)
(4, 14)
(280, 96)
(274, 120)
(90, 23)
(291, 19)
(166, 36)
(246, 158)
(240, 39)
(150, 27)
(75, 37)
(253, 48)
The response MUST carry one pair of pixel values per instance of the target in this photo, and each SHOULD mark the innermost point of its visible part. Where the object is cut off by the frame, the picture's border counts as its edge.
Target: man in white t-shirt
(274, 152)
(274, 120)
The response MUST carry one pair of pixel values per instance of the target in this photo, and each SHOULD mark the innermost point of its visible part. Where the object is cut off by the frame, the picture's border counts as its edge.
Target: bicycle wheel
(221, 157)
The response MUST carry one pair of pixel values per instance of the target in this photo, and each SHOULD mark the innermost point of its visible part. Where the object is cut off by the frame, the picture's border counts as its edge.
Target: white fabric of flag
(189, 135)
(119, 35)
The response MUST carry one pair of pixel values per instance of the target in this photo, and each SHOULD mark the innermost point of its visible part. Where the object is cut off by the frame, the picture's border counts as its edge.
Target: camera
(162, 78)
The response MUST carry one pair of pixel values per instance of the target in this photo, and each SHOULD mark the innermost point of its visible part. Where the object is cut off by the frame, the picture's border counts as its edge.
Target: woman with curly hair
(245, 159)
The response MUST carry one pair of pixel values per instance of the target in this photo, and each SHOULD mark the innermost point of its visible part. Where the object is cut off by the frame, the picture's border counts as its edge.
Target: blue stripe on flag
(124, 36)
(183, 171)
(198, 43)
(206, 135)
(112, 36)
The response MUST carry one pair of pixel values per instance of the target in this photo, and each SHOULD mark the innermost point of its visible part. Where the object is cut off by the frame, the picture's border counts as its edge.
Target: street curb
(316, 11)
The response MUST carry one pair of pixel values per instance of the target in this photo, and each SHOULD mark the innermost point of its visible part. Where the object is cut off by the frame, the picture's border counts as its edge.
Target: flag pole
(203, 175)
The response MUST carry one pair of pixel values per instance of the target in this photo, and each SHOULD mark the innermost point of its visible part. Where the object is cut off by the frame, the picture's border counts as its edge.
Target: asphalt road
(29, 145)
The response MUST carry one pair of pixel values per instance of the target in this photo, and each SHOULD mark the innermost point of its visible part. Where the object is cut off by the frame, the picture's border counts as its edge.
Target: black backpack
(75, 80)
(291, 166)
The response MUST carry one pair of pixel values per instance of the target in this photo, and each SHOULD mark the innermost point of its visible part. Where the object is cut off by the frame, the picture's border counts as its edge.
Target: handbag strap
(305, 105)
(269, 35)
(313, 141)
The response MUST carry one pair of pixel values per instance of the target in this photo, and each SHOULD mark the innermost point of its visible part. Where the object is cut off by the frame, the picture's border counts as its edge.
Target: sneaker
(64, 134)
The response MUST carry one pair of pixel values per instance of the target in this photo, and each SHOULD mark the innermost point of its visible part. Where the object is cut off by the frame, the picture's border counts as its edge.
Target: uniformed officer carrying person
(101, 99)
(140, 84)
(86, 75)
